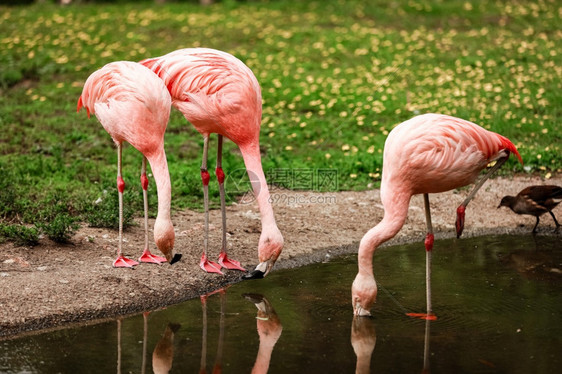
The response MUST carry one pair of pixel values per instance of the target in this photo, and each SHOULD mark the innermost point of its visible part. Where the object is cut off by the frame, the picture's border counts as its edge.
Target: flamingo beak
(261, 270)
(175, 259)
(359, 311)
(172, 258)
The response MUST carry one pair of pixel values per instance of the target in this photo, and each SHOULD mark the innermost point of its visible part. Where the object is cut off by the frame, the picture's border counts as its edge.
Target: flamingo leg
(428, 250)
(429, 238)
(224, 261)
(121, 261)
(205, 264)
(146, 255)
(459, 223)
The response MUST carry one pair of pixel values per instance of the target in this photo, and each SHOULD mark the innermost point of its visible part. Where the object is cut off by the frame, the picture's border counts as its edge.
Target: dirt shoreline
(51, 286)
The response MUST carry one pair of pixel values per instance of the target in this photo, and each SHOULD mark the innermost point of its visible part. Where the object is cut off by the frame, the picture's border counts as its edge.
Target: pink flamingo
(217, 93)
(429, 153)
(133, 105)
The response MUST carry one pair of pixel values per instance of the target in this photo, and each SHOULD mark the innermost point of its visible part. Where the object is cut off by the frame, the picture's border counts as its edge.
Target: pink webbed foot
(150, 258)
(426, 316)
(209, 266)
(227, 263)
(124, 262)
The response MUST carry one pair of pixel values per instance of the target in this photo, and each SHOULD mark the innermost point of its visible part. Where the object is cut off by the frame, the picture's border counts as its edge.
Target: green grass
(336, 76)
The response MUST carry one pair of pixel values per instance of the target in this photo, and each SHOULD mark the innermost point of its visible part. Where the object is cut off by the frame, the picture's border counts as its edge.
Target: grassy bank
(335, 75)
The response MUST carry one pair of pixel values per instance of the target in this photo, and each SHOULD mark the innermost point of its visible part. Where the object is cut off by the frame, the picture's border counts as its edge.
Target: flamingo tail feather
(507, 144)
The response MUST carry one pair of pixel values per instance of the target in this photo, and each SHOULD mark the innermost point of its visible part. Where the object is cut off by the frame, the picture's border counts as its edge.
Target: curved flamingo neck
(159, 166)
(395, 214)
(252, 160)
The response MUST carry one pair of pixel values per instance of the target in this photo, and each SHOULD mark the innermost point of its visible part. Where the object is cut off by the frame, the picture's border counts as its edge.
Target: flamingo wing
(214, 90)
(129, 106)
(436, 153)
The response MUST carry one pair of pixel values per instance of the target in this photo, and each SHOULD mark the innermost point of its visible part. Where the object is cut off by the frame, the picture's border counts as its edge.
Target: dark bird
(535, 201)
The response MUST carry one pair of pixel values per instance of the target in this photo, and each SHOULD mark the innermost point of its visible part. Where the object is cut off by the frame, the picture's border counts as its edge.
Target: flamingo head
(269, 249)
(363, 294)
(164, 238)
(268, 322)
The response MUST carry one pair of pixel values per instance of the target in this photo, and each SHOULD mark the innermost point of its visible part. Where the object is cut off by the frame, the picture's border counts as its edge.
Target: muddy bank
(50, 286)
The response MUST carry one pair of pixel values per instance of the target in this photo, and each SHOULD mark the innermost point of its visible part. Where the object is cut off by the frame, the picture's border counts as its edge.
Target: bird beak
(176, 258)
(359, 311)
(261, 270)
(173, 258)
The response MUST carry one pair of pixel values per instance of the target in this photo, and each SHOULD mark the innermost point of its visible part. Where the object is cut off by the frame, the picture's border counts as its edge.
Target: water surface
(497, 300)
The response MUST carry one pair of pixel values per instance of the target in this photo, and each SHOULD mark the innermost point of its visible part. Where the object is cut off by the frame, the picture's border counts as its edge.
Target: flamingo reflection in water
(268, 326)
(364, 338)
(218, 360)
(269, 330)
(163, 354)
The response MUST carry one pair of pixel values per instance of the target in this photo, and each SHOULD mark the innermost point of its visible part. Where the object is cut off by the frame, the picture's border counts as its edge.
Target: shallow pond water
(497, 300)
